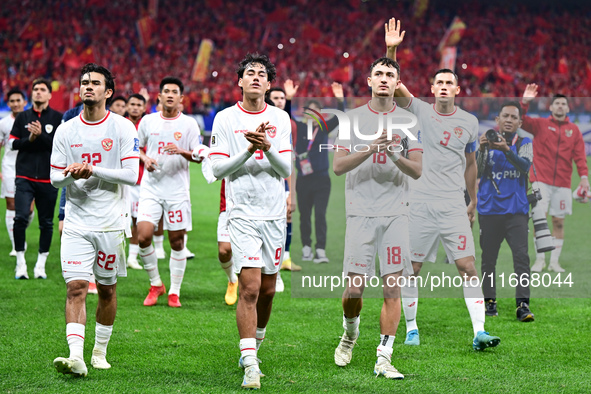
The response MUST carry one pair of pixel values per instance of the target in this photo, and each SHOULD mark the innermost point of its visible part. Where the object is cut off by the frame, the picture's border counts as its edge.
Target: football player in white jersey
(377, 198)
(449, 137)
(251, 148)
(16, 102)
(169, 138)
(94, 154)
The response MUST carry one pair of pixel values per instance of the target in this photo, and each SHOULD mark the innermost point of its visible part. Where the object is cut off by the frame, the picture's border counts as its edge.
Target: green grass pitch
(194, 349)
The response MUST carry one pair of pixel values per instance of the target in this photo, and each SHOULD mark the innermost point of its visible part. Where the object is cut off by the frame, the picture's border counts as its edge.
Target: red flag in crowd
(145, 27)
(70, 59)
(279, 15)
(453, 34)
(87, 56)
(201, 64)
(77, 26)
(323, 50)
(342, 74)
(29, 32)
(38, 50)
(501, 74)
(311, 32)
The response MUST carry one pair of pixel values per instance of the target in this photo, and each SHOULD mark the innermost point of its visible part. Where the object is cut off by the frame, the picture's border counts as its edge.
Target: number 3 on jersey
(446, 137)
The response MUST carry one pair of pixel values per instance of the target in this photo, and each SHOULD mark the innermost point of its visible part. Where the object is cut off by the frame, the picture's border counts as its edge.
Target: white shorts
(257, 244)
(223, 234)
(133, 199)
(86, 252)
(440, 221)
(558, 199)
(177, 214)
(8, 177)
(385, 236)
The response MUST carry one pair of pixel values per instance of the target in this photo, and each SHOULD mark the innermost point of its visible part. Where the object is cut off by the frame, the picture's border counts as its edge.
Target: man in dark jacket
(32, 136)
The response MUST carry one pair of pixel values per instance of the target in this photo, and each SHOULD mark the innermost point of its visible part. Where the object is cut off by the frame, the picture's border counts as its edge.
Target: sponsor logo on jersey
(459, 132)
(272, 131)
(568, 133)
(254, 258)
(75, 262)
(178, 135)
(76, 146)
(49, 128)
(136, 145)
(107, 144)
(240, 131)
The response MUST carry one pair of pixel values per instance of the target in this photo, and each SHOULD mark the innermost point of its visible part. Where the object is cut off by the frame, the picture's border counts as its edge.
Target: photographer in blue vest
(503, 164)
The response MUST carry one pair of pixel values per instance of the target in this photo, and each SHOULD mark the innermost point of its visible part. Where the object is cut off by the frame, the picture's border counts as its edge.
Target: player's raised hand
(393, 35)
(530, 93)
(290, 89)
(337, 90)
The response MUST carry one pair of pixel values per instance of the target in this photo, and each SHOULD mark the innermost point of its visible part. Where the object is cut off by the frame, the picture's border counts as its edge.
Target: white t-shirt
(446, 138)
(171, 181)
(255, 191)
(94, 204)
(377, 187)
(9, 159)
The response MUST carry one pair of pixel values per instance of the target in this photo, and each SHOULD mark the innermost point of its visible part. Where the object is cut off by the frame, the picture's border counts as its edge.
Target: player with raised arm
(169, 137)
(449, 136)
(93, 155)
(251, 148)
(557, 143)
(377, 199)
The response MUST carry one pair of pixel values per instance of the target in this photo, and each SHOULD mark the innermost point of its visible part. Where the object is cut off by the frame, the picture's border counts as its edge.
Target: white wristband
(584, 177)
(394, 156)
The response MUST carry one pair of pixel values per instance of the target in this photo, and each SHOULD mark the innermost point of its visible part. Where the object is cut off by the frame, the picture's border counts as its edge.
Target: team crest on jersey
(178, 135)
(459, 132)
(396, 139)
(49, 128)
(272, 131)
(107, 144)
(568, 133)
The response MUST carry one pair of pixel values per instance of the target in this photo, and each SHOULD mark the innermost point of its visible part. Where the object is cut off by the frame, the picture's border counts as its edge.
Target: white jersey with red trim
(446, 138)
(377, 187)
(9, 159)
(171, 180)
(94, 204)
(255, 191)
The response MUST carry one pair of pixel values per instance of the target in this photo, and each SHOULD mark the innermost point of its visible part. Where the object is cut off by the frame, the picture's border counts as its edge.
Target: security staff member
(32, 136)
(503, 162)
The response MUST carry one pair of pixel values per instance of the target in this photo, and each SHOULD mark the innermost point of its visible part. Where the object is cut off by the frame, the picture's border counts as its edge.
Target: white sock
(185, 238)
(410, 303)
(178, 263)
(475, 304)
(150, 260)
(555, 254)
(10, 226)
(228, 268)
(540, 256)
(248, 351)
(260, 336)
(75, 337)
(134, 249)
(286, 256)
(385, 346)
(351, 326)
(41, 260)
(20, 258)
(101, 340)
(158, 241)
(31, 217)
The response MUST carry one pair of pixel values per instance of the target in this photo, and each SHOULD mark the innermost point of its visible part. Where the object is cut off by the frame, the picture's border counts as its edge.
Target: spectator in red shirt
(557, 142)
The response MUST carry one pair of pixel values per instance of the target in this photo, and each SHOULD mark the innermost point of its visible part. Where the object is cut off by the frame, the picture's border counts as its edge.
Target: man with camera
(503, 162)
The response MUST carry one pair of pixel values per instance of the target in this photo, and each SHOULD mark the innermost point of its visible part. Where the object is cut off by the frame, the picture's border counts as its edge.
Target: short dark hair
(313, 102)
(385, 61)
(137, 96)
(14, 91)
(515, 104)
(259, 59)
(43, 81)
(173, 81)
(119, 98)
(446, 71)
(276, 89)
(95, 68)
(558, 96)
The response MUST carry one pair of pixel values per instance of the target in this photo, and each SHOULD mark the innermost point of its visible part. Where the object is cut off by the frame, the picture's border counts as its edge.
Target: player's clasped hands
(79, 171)
(380, 144)
(258, 138)
(171, 149)
(35, 130)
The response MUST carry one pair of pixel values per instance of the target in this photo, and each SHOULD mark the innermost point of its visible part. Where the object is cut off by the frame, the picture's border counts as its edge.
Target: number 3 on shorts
(462, 245)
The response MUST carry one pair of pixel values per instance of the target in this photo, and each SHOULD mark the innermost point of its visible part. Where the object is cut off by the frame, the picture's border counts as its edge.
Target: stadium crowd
(503, 47)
